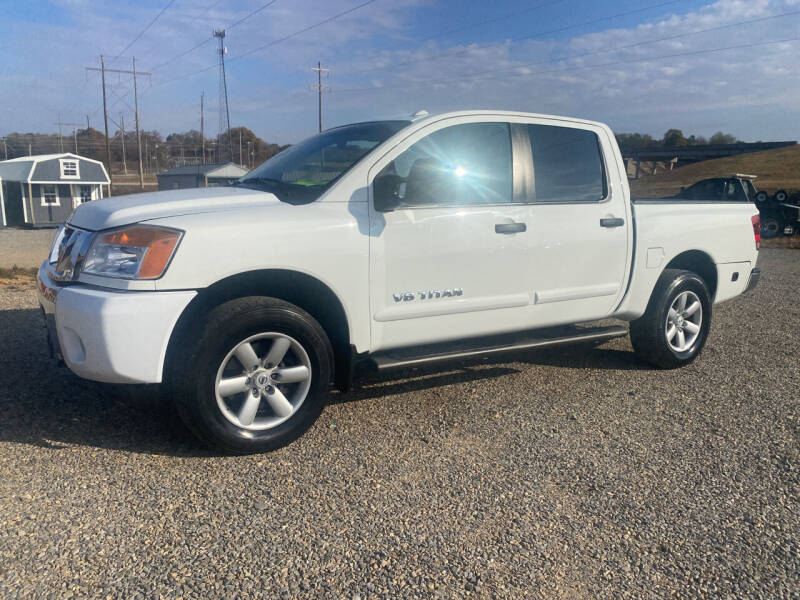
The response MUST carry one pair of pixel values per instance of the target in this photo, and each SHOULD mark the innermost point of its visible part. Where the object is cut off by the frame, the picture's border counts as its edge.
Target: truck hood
(124, 210)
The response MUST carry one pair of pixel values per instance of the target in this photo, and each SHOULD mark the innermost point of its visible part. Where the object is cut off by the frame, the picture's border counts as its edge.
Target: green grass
(776, 169)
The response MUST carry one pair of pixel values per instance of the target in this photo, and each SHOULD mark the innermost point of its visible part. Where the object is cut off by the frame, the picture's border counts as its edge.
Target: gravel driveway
(563, 474)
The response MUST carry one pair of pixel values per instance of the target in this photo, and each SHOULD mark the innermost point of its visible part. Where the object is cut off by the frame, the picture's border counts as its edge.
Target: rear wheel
(257, 378)
(770, 227)
(781, 196)
(762, 197)
(674, 328)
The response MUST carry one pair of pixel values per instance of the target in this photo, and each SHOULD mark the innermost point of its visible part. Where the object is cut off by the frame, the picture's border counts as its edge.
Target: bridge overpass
(676, 156)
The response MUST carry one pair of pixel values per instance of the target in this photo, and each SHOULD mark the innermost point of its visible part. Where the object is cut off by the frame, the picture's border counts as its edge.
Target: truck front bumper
(109, 335)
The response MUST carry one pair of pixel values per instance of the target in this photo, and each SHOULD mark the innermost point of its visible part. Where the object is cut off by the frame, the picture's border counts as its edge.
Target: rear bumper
(755, 275)
(110, 336)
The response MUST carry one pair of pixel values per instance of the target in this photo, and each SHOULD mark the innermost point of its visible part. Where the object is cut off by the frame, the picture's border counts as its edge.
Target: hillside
(776, 169)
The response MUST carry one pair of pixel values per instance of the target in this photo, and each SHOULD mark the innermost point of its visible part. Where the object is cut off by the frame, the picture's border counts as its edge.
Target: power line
(526, 38)
(482, 76)
(492, 20)
(143, 31)
(663, 39)
(251, 14)
(272, 43)
(304, 30)
(211, 37)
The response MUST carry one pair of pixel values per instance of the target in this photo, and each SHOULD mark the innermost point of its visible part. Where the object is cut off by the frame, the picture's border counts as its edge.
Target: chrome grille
(73, 244)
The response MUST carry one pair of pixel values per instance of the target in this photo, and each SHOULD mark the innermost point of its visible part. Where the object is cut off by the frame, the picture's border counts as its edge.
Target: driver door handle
(614, 222)
(510, 227)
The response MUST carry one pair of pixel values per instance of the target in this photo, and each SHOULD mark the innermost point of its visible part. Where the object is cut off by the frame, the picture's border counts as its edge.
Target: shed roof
(22, 167)
(207, 169)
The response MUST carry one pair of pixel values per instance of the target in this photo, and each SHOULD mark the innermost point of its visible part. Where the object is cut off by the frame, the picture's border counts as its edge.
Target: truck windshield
(303, 172)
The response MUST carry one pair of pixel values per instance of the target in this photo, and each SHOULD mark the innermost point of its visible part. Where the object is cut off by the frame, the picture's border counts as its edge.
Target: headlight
(136, 252)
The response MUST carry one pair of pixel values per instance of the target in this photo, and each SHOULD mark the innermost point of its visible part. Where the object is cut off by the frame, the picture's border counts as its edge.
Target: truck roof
(506, 113)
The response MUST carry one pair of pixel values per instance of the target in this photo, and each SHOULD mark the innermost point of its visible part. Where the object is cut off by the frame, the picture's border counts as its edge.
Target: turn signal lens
(138, 252)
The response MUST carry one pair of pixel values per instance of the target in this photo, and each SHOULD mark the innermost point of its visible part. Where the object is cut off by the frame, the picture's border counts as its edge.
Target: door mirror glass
(386, 191)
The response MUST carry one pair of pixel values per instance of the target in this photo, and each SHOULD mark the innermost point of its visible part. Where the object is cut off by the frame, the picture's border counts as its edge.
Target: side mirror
(385, 192)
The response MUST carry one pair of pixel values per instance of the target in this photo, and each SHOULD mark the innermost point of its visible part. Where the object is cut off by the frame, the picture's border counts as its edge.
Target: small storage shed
(44, 189)
(193, 176)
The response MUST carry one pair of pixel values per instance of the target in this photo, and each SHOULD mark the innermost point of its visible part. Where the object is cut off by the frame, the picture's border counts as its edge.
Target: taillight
(756, 220)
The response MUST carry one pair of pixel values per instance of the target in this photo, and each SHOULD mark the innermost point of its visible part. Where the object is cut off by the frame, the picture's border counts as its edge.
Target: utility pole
(87, 124)
(319, 87)
(103, 71)
(224, 112)
(136, 112)
(240, 147)
(105, 120)
(202, 129)
(5, 147)
(122, 127)
(75, 137)
(60, 138)
(249, 155)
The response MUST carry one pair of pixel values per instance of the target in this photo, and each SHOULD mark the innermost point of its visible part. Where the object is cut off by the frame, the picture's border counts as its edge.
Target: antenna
(224, 113)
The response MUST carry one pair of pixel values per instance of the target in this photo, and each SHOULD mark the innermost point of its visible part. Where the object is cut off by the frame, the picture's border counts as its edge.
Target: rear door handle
(510, 227)
(614, 222)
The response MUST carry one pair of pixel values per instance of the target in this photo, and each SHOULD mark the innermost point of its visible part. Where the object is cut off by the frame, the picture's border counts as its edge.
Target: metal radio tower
(224, 114)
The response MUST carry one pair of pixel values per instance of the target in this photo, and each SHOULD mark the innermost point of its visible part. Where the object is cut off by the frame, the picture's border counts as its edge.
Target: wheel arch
(301, 289)
(698, 262)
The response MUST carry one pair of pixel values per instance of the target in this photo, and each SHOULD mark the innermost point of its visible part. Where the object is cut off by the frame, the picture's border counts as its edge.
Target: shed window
(49, 195)
(86, 193)
(69, 169)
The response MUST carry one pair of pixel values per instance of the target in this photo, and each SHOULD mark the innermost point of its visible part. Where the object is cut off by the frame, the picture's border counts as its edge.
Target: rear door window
(567, 164)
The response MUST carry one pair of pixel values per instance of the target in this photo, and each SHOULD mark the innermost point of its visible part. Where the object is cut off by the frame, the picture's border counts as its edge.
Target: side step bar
(404, 357)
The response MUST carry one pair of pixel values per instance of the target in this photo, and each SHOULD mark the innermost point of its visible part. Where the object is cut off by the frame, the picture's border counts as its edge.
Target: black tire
(762, 197)
(781, 196)
(193, 374)
(649, 332)
(770, 227)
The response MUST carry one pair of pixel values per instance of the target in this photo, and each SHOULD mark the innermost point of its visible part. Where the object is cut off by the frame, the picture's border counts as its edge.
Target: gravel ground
(24, 248)
(568, 474)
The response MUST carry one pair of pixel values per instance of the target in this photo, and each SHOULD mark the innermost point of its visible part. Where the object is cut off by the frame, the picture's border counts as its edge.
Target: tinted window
(462, 164)
(710, 189)
(567, 164)
(735, 192)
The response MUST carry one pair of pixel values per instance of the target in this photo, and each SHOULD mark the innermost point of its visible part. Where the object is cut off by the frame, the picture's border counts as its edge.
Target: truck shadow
(47, 406)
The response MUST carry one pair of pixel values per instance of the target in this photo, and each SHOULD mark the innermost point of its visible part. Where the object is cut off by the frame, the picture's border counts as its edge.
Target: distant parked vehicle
(779, 213)
(733, 188)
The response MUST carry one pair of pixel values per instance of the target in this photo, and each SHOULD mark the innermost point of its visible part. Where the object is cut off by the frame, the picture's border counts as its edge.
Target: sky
(638, 65)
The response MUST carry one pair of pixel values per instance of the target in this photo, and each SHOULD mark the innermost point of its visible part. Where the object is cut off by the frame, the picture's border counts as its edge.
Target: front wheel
(256, 378)
(674, 328)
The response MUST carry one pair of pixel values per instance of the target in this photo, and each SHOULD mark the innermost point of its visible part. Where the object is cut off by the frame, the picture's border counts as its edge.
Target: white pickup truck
(389, 243)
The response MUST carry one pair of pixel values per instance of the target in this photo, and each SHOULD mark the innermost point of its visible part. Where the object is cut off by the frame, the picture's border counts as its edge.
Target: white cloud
(751, 92)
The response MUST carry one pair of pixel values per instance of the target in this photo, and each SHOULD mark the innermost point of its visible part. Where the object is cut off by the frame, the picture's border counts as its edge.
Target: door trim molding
(450, 307)
(576, 293)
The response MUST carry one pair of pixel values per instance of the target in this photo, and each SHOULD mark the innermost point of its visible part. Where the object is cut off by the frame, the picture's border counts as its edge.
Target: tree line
(158, 152)
(673, 138)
